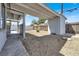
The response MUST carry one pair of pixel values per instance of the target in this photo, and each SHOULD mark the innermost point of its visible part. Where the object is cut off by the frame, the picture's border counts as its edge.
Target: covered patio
(15, 12)
(55, 21)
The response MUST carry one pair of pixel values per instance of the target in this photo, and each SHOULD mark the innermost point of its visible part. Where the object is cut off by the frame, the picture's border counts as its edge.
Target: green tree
(34, 22)
(41, 20)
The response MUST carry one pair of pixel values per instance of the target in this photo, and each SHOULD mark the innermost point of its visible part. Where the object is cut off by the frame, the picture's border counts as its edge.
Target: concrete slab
(13, 47)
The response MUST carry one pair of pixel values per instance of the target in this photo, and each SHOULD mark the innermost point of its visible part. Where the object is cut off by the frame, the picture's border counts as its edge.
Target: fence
(43, 27)
(72, 28)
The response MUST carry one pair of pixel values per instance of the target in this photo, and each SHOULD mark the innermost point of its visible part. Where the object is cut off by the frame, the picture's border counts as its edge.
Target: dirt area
(41, 33)
(45, 45)
(42, 44)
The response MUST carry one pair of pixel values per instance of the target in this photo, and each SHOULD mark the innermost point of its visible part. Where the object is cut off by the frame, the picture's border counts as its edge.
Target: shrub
(37, 30)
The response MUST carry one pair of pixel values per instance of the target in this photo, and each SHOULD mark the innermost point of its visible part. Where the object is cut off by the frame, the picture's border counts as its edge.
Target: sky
(71, 16)
(29, 19)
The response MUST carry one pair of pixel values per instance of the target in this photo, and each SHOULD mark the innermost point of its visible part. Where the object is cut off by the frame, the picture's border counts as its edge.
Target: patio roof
(35, 9)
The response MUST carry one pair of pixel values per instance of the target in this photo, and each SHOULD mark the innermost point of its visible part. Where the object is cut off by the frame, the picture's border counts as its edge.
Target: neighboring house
(29, 27)
(56, 22)
(43, 27)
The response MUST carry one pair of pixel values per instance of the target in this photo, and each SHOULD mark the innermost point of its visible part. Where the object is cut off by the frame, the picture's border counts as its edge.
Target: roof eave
(52, 10)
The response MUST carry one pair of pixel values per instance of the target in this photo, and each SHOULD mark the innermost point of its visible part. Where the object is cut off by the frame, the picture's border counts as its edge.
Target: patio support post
(18, 26)
(24, 26)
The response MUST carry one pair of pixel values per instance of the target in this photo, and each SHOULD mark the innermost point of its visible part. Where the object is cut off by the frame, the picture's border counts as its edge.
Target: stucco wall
(2, 38)
(54, 26)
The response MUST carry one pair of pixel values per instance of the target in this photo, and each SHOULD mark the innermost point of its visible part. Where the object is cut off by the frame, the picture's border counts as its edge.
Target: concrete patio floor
(71, 47)
(13, 47)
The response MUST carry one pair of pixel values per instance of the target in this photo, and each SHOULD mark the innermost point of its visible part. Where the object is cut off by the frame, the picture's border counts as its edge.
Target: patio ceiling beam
(21, 9)
(34, 10)
(41, 9)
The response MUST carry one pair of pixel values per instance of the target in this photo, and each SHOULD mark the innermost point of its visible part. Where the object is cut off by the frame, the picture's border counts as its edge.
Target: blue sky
(71, 16)
(29, 19)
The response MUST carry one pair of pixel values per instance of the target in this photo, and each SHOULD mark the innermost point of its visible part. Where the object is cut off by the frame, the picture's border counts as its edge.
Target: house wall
(56, 25)
(62, 25)
(2, 34)
(2, 38)
(0, 11)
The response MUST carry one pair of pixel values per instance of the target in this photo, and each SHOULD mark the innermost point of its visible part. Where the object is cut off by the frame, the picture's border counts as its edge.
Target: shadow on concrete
(13, 46)
(48, 45)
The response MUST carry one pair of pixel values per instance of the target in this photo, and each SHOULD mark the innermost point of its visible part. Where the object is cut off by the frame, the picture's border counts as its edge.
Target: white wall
(56, 25)
(62, 25)
(2, 38)
(2, 34)
(0, 10)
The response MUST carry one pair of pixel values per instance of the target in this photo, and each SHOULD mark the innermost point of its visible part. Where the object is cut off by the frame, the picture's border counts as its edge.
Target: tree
(41, 20)
(34, 22)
